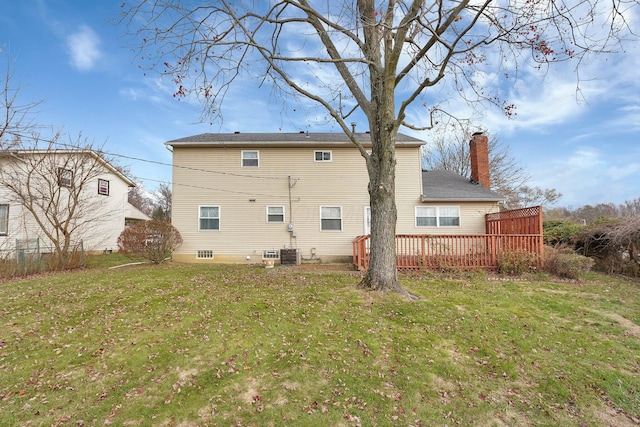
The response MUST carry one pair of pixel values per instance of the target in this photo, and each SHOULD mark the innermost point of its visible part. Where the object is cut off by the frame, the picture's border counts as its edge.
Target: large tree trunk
(382, 274)
(381, 167)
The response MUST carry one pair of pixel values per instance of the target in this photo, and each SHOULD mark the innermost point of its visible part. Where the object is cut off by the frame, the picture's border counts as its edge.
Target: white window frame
(323, 152)
(200, 217)
(204, 254)
(257, 159)
(438, 216)
(271, 254)
(269, 214)
(4, 219)
(322, 218)
(367, 220)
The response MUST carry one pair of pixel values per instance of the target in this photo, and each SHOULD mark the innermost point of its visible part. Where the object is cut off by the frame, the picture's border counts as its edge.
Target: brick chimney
(479, 151)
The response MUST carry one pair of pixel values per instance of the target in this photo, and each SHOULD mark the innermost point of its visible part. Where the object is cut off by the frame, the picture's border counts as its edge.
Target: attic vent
(204, 254)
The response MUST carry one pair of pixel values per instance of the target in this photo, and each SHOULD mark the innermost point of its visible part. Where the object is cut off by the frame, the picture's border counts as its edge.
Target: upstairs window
(65, 177)
(322, 156)
(250, 159)
(103, 187)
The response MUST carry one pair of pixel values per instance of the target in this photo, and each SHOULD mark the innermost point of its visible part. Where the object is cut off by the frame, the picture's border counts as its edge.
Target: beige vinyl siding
(472, 216)
(408, 188)
(243, 195)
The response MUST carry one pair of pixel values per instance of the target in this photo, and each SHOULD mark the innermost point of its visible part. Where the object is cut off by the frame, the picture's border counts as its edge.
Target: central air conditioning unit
(289, 257)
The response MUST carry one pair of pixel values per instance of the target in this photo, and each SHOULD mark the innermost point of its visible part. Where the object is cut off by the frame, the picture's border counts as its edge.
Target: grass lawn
(191, 345)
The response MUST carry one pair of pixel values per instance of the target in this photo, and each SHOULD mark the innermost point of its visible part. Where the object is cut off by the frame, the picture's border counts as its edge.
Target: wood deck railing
(418, 251)
(518, 229)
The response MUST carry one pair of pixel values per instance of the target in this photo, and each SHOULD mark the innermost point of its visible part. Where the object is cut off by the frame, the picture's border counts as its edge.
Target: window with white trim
(437, 216)
(330, 218)
(4, 220)
(322, 156)
(250, 159)
(209, 217)
(204, 254)
(271, 254)
(275, 214)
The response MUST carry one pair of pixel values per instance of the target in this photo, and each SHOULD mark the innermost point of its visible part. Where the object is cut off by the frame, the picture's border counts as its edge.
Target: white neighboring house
(57, 181)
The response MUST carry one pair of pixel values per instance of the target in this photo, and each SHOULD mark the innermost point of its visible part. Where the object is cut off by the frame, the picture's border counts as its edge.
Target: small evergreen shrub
(563, 262)
(516, 262)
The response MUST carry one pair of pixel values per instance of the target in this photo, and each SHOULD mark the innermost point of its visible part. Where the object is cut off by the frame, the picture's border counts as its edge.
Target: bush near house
(154, 240)
(516, 262)
(560, 232)
(564, 262)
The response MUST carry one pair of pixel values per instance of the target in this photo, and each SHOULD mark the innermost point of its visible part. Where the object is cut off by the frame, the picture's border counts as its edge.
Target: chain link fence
(29, 256)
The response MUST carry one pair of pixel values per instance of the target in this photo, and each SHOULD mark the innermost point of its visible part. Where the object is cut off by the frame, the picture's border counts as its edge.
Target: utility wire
(153, 161)
(169, 165)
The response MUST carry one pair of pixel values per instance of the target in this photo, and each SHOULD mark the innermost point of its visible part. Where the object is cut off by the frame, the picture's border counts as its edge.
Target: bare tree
(52, 186)
(15, 120)
(139, 198)
(384, 59)
(162, 209)
(449, 150)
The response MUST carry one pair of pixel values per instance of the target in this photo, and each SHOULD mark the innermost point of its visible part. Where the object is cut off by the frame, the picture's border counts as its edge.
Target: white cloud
(84, 48)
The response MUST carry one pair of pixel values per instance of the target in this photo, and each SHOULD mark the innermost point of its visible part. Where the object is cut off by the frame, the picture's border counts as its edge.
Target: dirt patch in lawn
(316, 268)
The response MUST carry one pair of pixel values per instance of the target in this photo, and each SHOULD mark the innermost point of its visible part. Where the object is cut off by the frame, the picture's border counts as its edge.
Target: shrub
(154, 240)
(613, 244)
(561, 232)
(564, 262)
(516, 262)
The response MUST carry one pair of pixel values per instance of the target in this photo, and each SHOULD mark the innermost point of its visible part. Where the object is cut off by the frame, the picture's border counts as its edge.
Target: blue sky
(71, 55)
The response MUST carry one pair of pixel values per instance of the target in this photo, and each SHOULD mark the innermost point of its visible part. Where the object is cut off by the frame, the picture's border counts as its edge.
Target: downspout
(290, 225)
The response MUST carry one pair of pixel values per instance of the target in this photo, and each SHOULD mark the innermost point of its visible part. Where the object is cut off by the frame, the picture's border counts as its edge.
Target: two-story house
(244, 197)
(75, 191)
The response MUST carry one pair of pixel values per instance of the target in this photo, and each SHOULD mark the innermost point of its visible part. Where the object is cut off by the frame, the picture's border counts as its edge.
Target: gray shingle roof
(283, 139)
(447, 186)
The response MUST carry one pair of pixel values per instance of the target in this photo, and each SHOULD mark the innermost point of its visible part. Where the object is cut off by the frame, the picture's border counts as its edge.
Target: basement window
(272, 254)
(204, 254)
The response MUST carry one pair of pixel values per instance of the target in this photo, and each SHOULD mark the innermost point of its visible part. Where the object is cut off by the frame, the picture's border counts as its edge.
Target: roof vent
(237, 132)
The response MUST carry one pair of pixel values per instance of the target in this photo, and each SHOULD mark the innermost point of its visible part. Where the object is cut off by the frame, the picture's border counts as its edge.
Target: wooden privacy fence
(417, 251)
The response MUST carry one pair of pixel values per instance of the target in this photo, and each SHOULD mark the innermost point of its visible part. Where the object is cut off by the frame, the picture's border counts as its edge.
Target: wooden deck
(506, 231)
